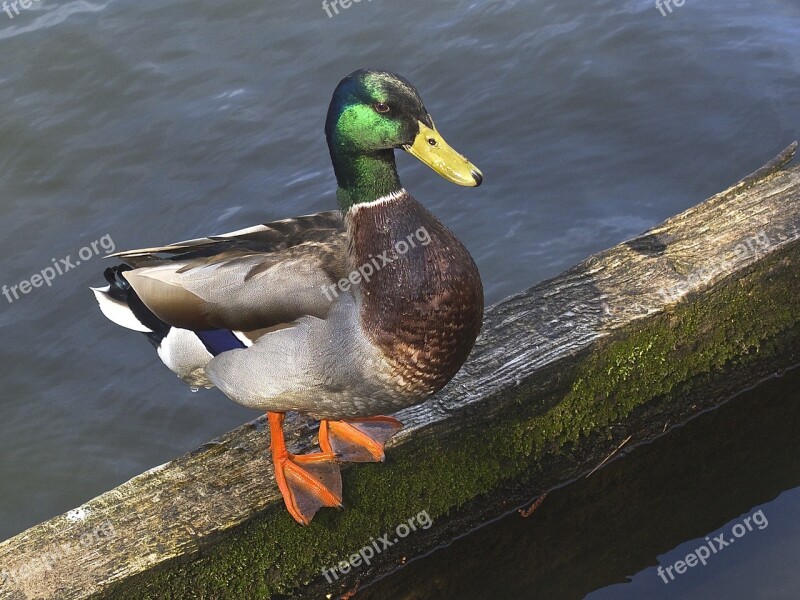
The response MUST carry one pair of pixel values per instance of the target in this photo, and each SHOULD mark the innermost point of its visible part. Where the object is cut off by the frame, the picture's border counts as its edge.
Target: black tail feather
(120, 289)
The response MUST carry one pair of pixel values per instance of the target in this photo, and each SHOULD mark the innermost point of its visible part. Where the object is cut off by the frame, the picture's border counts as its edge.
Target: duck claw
(307, 481)
(358, 440)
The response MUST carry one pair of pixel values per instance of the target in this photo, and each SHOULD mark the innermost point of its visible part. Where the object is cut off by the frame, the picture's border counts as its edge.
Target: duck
(346, 316)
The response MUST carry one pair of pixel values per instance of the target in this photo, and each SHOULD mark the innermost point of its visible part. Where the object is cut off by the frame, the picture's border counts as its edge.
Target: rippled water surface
(152, 121)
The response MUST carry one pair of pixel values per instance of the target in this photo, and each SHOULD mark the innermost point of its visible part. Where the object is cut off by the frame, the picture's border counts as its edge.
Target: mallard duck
(345, 315)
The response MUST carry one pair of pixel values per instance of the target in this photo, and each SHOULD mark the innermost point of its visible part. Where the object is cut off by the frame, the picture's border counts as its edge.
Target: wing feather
(249, 280)
(269, 237)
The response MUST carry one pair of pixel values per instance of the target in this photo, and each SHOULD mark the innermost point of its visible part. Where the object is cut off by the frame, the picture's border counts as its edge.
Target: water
(605, 537)
(156, 121)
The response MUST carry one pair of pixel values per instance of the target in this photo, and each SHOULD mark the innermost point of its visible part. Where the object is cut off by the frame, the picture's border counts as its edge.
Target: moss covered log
(632, 340)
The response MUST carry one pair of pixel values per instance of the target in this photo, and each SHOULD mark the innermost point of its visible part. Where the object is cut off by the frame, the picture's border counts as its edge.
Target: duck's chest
(420, 293)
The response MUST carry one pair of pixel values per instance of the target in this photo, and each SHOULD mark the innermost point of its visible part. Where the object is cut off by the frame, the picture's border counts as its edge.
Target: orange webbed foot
(358, 440)
(308, 481)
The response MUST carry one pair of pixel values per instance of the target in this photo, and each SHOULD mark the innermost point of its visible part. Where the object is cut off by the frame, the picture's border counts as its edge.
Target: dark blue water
(148, 122)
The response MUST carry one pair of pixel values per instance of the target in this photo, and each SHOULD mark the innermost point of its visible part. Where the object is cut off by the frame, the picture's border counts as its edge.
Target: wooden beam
(561, 374)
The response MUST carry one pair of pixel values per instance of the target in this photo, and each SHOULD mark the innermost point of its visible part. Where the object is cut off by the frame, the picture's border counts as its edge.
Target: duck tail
(120, 304)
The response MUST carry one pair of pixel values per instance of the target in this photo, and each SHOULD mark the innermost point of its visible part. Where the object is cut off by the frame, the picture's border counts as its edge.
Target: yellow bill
(430, 147)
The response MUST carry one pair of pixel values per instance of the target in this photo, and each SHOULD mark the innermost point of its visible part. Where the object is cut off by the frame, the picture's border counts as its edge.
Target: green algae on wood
(616, 343)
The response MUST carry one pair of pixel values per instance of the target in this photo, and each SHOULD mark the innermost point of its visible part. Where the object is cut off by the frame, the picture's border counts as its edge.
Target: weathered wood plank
(572, 357)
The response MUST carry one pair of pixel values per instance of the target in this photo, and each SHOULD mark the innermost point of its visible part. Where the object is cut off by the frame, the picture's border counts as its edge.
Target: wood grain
(175, 514)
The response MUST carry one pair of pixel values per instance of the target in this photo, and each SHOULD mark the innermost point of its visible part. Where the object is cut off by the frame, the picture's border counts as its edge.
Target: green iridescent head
(372, 113)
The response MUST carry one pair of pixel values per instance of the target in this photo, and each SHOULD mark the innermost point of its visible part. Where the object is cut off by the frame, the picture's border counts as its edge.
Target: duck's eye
(381, 107)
